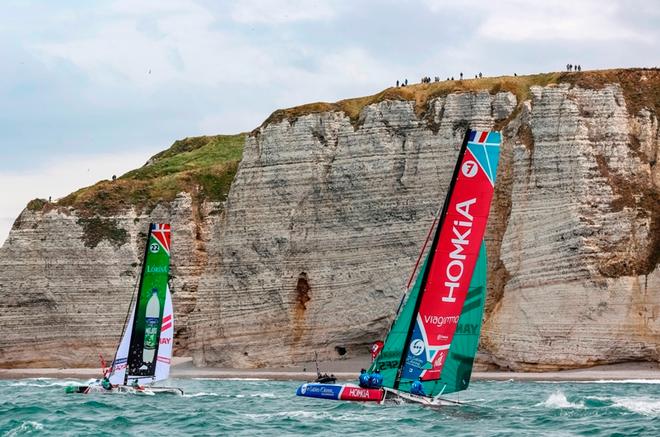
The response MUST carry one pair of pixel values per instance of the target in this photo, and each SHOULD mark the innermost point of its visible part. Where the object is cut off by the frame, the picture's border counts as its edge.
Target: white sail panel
(120, 363)
(164, 357)
(166, 341)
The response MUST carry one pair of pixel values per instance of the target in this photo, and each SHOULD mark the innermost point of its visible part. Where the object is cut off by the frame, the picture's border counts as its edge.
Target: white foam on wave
(262, 395)
(605, 381)
(319, 415)
(25, 427)
(645, 406)
(558, 400)
(42, 382)
(231, 379)
(203, 393)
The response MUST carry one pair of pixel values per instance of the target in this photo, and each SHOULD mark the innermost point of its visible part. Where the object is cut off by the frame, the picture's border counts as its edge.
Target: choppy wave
(200, 394)
(645, 406)
(43, 382)
(605, 381)
(231, 379)
(320, 415)
(558, 400)
(239, 407)
(25, 428)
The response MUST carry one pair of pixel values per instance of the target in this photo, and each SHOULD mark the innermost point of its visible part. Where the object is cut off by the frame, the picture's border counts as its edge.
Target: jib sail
(434, 308)
(145, 350)
(389, 359)
(457, 369)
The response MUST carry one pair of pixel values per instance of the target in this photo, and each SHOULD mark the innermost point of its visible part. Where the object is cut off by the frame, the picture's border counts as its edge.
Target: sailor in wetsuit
(105, 383)
(376, 380)
(417, 388)
(364, 378)
(137, 386)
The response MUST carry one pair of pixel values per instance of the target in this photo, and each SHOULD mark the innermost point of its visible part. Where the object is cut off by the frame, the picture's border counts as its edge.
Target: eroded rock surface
(66, 282)
(324, 222)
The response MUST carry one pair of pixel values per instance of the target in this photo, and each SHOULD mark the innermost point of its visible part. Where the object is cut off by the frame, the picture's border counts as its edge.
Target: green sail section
(389, 358)
(457, 369)
(152, 293)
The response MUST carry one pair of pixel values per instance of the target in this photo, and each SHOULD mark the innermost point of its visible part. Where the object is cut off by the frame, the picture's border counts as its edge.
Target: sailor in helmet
(376, 380)
(105, 383)
(364, 378)
(417, 388)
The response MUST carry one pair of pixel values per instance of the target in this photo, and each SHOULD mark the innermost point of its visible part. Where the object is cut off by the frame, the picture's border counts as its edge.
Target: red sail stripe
(165, 327)
(483, 136)
(167, 318)
(163, 359)
(454, 259)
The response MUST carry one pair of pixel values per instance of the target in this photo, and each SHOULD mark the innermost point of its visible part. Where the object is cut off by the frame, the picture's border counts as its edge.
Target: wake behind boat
(145, 351)
(430, 348)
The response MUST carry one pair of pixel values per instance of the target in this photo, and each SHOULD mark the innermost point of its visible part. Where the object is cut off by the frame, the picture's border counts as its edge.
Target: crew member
(105, 383)
(137, 386)
(376, 380)
(417, 388)
(364, 378)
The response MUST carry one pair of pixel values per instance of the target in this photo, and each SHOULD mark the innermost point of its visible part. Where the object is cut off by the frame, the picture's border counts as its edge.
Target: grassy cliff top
(203, 166)
(640, 86)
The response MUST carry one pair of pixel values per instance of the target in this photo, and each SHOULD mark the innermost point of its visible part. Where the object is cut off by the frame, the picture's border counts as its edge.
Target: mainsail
(145, 350)
(435, 335)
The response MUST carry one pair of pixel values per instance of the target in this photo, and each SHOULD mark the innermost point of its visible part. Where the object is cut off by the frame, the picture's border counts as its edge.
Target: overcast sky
(91, 89)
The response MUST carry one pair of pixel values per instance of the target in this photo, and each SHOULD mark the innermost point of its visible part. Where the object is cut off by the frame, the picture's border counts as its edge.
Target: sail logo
(440, 320)
(358, 393)
(157, 269)
(417, 347)
(461, 230)
(469, 169)
(303, 388)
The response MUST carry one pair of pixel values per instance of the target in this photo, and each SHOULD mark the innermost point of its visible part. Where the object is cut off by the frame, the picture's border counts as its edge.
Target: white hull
(397, 396)
(147, 391)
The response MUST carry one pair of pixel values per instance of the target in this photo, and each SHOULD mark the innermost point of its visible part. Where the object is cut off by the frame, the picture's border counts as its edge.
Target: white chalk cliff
(313, 245)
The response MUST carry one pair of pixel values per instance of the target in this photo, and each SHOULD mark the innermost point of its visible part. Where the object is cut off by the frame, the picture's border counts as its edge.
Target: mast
(434, 246)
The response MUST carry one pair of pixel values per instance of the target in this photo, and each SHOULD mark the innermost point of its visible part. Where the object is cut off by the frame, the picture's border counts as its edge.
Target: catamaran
(144, 353)
(430, 348)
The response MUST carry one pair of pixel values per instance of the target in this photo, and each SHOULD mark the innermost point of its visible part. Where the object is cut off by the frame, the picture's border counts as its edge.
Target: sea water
(261, 407)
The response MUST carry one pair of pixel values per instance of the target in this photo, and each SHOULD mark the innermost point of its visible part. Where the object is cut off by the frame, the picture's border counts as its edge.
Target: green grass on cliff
(422, 93)
(203, 166)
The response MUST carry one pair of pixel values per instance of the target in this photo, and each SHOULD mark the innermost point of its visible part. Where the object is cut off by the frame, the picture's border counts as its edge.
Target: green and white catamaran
(430, 348)
(144, 353)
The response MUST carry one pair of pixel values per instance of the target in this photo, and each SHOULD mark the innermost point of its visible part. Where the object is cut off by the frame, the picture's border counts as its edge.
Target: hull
(148, 391)
(396, 396)
(340, 392)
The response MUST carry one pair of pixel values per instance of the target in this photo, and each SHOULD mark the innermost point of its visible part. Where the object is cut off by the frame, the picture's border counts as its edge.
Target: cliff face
(312, 246)
(67, 282)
